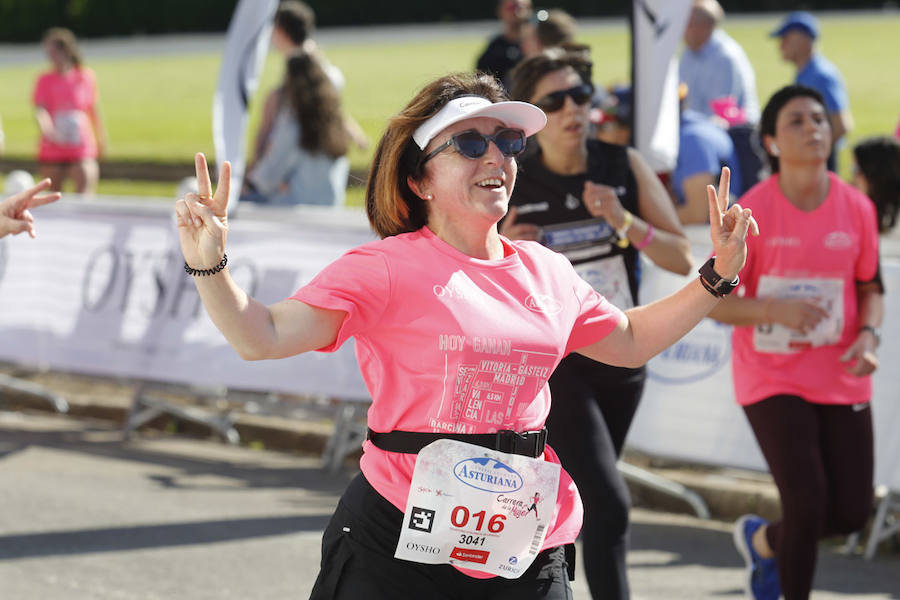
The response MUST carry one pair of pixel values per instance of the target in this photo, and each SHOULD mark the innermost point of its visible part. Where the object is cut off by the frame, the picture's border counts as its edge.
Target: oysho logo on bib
(542, 303)
(488, 474)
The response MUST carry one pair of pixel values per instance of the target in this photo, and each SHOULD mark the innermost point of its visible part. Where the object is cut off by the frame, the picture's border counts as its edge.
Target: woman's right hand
(797, 314)
(202, 218)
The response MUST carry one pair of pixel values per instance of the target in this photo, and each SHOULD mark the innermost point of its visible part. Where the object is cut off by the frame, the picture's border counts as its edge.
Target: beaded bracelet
(205, 272)
(623, 242)
(648, 237)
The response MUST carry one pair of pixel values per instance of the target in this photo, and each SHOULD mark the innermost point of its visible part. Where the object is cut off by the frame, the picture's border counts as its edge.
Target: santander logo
(542, 303)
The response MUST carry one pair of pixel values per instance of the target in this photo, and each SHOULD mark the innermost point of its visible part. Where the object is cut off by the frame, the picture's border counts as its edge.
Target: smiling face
(802, 132)
(567, 128)
(465, 190)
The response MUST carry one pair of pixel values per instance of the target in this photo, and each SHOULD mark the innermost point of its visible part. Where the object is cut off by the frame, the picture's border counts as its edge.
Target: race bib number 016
(477, 508)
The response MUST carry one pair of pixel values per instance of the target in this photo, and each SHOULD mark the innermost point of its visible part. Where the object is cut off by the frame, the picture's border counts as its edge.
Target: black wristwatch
(713, 282)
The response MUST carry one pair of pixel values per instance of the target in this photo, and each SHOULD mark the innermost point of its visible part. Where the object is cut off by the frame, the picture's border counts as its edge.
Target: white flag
(245, 51)
(657, 28)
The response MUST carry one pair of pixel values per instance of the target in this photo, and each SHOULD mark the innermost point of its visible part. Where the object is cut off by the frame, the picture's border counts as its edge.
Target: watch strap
(713, 282)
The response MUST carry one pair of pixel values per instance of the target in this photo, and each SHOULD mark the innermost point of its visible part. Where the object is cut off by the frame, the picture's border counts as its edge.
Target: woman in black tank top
(599, 204)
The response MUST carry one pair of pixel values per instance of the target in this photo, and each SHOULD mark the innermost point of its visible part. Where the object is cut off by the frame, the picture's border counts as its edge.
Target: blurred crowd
(299, 152)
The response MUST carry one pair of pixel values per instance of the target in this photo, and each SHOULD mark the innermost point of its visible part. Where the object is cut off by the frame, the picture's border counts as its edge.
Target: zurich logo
(488, 475)
(697, 356)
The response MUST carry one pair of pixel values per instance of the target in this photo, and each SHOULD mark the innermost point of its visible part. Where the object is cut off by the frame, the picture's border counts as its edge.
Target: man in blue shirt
(703, 149)
(798, 33)
(714, 66)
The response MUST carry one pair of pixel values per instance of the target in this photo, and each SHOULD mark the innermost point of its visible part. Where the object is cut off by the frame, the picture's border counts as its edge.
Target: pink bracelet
(647, 238)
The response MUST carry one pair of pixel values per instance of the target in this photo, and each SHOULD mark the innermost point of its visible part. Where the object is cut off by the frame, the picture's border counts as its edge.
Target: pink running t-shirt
(451, 343)
(68, 97)
(822, 253)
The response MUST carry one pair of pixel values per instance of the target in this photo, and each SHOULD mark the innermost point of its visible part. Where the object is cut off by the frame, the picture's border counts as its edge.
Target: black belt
(528, 443)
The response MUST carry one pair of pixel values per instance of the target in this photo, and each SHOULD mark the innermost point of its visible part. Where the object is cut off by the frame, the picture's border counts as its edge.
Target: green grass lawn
(159, 108)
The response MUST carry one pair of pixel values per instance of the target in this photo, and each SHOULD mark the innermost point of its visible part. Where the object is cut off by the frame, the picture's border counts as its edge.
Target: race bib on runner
(477, 508)
(577, 234)
(610, 278)
(68, 127)
(827, 293)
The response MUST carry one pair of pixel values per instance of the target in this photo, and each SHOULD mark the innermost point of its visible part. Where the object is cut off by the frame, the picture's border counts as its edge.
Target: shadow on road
(117, 539)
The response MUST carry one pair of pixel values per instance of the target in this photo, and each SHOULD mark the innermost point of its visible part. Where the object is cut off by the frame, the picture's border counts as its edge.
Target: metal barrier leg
(146, 407)
(666, 486)
(346, 437)
(58, 402)
(881, 529)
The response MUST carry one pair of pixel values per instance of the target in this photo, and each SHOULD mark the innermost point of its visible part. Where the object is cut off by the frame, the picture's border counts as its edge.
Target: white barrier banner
(103, 291)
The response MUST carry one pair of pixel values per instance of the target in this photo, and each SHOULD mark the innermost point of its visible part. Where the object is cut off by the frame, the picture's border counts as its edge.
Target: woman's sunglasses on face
(554, 101)
(472, 144)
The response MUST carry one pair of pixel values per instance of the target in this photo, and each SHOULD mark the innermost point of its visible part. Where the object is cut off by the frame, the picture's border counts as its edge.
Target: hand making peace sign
(728, 228)
(202, 218)
(15, 216)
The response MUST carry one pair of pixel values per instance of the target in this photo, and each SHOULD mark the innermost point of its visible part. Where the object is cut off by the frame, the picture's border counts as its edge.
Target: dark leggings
(358, 561)
(593, 406)
(821, 458)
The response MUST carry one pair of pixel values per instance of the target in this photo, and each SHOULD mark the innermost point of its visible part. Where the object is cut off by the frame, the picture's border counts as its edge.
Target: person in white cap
(457, 331)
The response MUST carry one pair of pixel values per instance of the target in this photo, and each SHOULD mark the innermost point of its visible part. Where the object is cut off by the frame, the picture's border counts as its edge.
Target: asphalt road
(87, 516)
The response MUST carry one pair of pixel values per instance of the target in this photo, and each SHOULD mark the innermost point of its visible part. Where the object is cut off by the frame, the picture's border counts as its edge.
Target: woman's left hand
(15, 216)
(728, 229)
(603, 202)
(861, 356)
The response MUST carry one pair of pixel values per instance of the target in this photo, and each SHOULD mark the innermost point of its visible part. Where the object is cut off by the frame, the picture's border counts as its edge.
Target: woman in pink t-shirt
(457, 331)
(806, 331)
(67, 112)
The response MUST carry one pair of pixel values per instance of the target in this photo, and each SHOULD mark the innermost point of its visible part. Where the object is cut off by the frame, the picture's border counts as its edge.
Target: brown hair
(524, 78)
(556, 28)
(63, 39)
(393, 208)
(316, 105)
(296, 19)
(878, 159)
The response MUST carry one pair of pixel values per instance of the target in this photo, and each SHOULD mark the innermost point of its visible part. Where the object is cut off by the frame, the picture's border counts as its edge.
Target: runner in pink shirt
(457, 330)
(806, 330)
(67, 111)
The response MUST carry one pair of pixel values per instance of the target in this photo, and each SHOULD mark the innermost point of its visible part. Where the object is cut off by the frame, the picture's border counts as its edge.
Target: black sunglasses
(554, 101)
(473, 144)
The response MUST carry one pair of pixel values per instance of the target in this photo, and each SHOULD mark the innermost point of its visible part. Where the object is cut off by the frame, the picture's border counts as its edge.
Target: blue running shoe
(762, 573)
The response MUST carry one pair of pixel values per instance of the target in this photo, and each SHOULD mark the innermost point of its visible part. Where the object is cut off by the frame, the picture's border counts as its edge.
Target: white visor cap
(519, 115)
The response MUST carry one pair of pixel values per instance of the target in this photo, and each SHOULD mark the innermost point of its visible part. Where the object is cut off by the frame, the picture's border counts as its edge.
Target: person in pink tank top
(806, 331)
(457, 331)
(67, 111)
